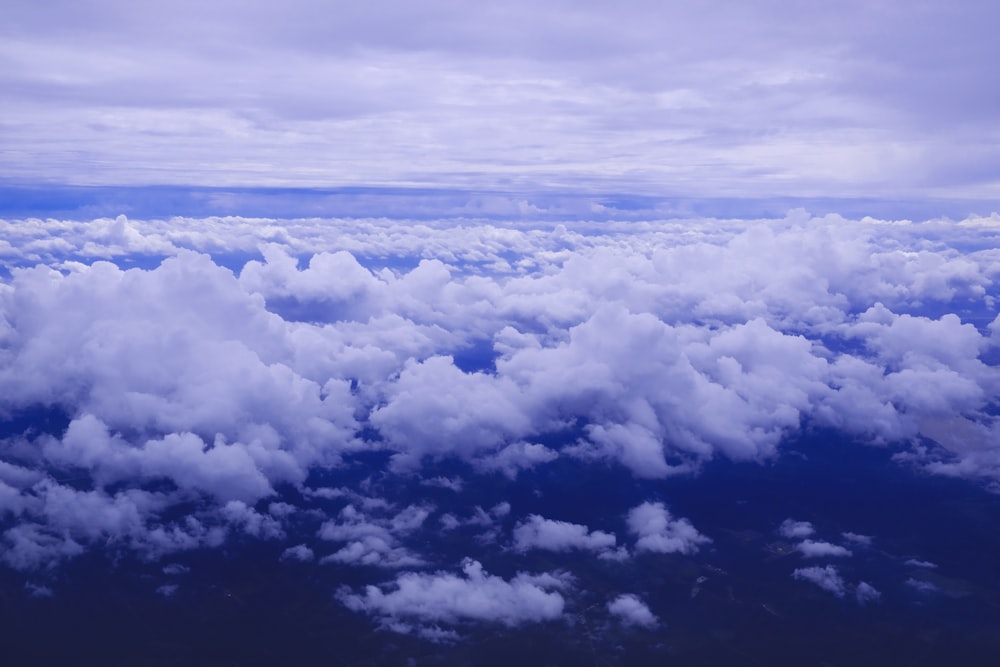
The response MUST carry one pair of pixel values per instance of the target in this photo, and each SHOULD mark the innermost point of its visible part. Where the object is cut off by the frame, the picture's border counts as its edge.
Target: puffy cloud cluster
(820, 549)
(540, 533)
(656, 346)
(418, 601)
(632, 611)
(866, 594)
(374, 540)
(657, 531)
(828, 578)
(793, 529)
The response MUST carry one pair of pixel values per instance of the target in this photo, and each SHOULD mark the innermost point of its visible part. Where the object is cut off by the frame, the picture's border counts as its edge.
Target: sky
(883, 100)
(444, 333)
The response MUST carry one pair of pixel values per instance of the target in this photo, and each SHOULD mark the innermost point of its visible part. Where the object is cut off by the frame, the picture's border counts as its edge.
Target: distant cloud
(796, 529)
(537, 532)
(866, 594)
(819, 549)
(827, 578)
(299, 552)
(658, 532)
(922, 586)
(862, 540)
(374, 540)
(475, 595)
(198, 395)
(464, 92)
(168, 590)
(451, 483)
(38, 590)
(480, 518)
(632, 611)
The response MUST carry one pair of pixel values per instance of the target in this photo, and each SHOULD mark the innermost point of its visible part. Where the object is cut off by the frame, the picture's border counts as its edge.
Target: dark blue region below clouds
(86, 202)
(240, 605)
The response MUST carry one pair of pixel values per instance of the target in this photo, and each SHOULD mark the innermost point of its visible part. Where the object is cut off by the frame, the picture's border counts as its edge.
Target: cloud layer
(732, 98)
(168, 386)
(658, 347)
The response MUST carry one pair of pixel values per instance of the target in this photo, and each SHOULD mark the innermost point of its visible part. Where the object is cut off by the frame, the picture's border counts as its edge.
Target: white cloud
(451, 483)
(374, 540)
(632, 611)
(436, 409)
(820, 549)
(29, 546)
(480, 518)
(444, 89)
(796, 529)
(827, 578)
(658, 532)
(657, 345)
(856, 538)
(300, 552)
(537, 532)
(516, 457)
(476, 595)
(866, 594)
(251, 521)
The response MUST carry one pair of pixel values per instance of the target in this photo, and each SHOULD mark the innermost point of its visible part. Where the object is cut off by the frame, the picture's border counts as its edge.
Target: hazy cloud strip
(722, 98)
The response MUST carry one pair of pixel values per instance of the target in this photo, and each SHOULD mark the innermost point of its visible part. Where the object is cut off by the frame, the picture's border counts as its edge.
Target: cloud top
(193, 393)
(475, 595)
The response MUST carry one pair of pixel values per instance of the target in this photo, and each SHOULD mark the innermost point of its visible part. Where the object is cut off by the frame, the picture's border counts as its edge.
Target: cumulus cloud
(374, 540)
(656, 346)
(537, 532)
(826, 577)
(633, 611)
(796, 529)
(820, 549)
(29, 546)
(866, 594)
(516, 457)
(252, 522)
(299, 552)
(475, 595)
(657, 531)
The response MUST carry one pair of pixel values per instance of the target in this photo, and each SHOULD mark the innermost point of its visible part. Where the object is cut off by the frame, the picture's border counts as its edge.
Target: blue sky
(883, 100)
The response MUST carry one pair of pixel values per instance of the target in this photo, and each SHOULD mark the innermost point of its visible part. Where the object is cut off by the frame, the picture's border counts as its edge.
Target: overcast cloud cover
(888, 99)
